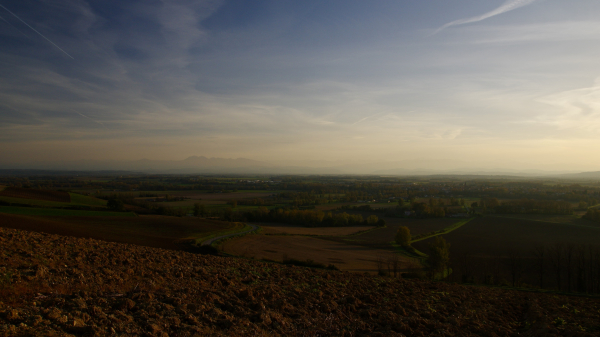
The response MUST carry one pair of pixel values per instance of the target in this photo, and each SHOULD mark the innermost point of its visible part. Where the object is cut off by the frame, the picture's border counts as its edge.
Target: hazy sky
(403, 83)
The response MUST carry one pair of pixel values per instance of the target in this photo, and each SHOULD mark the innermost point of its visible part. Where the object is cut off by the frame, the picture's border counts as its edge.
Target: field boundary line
(446, 230)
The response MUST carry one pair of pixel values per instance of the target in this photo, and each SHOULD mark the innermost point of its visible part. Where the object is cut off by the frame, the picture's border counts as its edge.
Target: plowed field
(27, 193)
(63, 286)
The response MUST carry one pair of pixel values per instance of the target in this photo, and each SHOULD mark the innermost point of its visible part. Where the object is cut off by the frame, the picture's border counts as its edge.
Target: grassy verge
(58, 212)
(409, 252)
(241, 234)
(446, 230)
(238, 227)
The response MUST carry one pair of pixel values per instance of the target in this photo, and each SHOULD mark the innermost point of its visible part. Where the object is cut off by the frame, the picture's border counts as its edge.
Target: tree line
(312, 218)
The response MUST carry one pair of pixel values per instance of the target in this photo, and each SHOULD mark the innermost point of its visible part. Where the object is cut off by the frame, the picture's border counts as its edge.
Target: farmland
(345, 256)
(26, 193)
(299, 208)
(495, 236)
(146, 230)
(59, 212)
(281, 229)
(349, 248)
(87, 287)
(381, 238)
(501, 249)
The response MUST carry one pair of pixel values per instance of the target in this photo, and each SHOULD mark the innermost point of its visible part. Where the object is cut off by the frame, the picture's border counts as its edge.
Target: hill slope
(54, 285)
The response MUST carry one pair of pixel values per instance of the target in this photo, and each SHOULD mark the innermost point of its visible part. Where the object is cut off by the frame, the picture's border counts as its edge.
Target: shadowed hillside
(53, 285)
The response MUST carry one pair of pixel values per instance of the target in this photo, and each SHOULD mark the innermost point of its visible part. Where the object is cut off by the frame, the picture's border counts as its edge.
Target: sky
(512, 84)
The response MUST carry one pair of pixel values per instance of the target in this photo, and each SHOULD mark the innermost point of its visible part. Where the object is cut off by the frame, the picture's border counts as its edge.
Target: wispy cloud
(3, 19)
(577, 109)
(93, 120)
(364, 119)
(508, 6)
(40, 34)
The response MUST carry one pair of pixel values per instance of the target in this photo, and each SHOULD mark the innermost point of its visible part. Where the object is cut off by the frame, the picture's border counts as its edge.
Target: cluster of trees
(439, 252)
(592, 214)
(439, 256)
(424, 209)
(559, 266)
(312, 218)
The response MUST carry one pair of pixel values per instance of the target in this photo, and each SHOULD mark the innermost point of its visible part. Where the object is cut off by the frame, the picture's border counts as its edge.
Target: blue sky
(366, 84)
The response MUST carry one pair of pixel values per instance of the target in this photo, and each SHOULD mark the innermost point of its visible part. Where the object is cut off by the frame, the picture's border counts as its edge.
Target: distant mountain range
(190, 165)
(205, 165)
(582, 175)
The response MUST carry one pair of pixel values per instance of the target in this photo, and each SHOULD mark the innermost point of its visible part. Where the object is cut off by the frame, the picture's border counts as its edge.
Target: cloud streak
(40, 34)
(3, 19)
(508, 6)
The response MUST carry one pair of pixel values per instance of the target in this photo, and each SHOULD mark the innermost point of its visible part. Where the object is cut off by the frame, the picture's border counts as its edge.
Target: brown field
(298, 230)
(496, 236)
(146, 230)
(63, 286)
(27, 193)
(344, 256)
(484, 245)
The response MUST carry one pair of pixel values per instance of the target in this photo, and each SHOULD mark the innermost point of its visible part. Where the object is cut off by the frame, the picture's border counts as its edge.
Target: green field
(78, 199)
(58, 212)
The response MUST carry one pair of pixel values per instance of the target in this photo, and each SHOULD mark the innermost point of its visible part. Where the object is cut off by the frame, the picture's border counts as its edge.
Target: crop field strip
(271, 229)
(26, 193)
(61, 212)
(76, 200)
(152, 230)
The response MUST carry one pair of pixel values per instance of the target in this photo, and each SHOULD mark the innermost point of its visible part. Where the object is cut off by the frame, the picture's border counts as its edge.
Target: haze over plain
(362, 85)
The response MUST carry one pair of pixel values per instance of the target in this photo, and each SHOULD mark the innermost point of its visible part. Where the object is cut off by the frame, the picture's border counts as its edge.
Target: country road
(210, 241)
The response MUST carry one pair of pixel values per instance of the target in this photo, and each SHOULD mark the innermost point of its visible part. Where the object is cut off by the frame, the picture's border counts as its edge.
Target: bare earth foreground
(54, 285)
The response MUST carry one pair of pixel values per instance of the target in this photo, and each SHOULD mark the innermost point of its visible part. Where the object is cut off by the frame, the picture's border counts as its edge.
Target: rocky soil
(54, 285)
